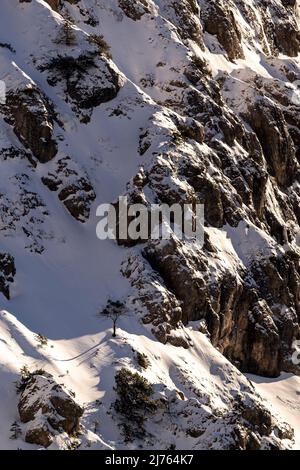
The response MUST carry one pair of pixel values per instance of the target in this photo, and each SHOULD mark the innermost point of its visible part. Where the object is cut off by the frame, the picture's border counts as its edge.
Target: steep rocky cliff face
(162, 101)
(246, 172)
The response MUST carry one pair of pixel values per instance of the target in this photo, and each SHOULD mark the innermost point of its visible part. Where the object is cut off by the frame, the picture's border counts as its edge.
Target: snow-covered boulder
(47, 408)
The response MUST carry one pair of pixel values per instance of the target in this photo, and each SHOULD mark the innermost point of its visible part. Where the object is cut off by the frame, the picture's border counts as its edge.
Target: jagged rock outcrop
(269, 125)
(281, 27)
(73, 187)
(219, 19)
(134, 9)
(274, 24)
(185, 16)
(32, 118)
(246, 314)
(47, 409)
(164, 312)
(88, 79)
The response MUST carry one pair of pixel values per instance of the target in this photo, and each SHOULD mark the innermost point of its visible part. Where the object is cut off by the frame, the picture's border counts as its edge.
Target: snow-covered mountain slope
(165, 102)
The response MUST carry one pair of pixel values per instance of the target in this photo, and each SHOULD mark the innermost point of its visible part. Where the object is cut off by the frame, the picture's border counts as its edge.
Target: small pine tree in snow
(41, 339)
(101, 44)
(26, 375)
(15, 430)
(113, 310)
(142, 360)
(25, 372)
(134, 402)
(67, 35)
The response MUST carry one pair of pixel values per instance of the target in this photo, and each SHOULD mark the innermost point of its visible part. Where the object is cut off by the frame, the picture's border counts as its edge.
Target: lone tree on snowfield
(113, 310)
